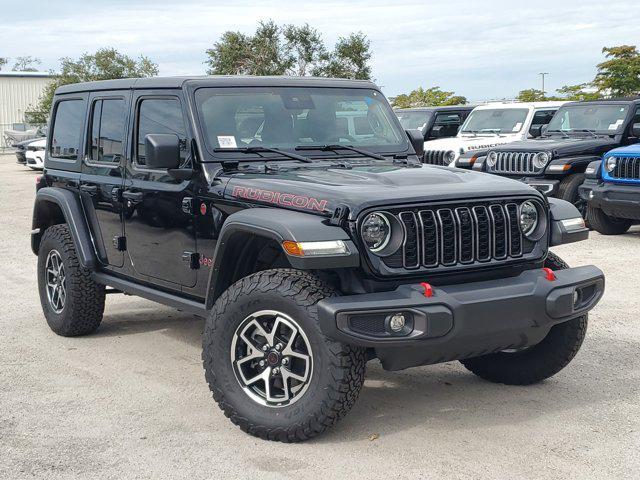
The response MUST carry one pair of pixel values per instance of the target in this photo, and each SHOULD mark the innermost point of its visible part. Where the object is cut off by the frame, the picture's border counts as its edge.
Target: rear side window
(160, 115)
(107, 130)
(542, 117)
(68, 125)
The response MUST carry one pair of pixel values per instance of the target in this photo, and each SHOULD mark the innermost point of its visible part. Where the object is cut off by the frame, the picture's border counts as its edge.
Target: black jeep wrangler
(434, 122)
(310, 245)
(578, 134)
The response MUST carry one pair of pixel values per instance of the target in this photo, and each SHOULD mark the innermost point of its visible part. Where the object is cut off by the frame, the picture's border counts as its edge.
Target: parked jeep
(434, 122)
(308, 247)
(578, 134)
(612, 190)
(488, 126)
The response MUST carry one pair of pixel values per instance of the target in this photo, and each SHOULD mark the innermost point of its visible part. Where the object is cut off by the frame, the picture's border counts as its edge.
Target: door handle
(90, 189)
(133, 196)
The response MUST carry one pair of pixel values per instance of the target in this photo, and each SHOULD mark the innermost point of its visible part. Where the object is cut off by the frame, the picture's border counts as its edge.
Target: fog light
(397, 322)
(591, 194)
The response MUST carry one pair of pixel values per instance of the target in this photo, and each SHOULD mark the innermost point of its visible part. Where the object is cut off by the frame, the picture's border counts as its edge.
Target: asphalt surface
(131, 402)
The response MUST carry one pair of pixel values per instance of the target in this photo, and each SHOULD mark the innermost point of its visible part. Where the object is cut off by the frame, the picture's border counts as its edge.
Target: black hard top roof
(437, 109)
(214, 81)
(604, 101)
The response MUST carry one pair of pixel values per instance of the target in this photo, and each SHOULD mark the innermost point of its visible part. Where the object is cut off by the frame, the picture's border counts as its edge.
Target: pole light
(542, 74)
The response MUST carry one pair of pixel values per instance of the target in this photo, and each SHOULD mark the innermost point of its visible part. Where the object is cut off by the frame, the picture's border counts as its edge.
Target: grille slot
(449, 236)
(434, 157)
(515, 163)
(627, 168)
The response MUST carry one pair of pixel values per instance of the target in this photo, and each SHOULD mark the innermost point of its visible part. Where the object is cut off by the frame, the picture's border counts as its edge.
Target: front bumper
(461, 321)
(614, 199)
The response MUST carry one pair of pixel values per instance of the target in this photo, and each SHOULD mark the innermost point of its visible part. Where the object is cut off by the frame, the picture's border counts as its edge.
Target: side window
(68, 124)
(160, 115)
(542, 117)
(107, 130)
(448, 124)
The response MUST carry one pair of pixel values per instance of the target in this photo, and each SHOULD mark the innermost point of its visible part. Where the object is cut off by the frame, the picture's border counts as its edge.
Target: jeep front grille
(457, 235)
(515, 163)
(627, 168)
(435, 157)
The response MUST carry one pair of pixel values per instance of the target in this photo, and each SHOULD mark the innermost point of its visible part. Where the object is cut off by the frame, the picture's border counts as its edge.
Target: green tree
(531, 95)
(288, 50)
(3, 62)
(619, 75)
(578, 93)
(26, 64)
(431, 97)
(105, 64)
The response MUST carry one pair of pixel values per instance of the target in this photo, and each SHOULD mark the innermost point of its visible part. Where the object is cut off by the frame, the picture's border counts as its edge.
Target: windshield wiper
(258, 150)
(592, 132)
(562, 132)
(333, 148)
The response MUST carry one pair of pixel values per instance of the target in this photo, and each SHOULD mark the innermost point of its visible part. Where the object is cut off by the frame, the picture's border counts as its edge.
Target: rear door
(158, 209)
(102, 177)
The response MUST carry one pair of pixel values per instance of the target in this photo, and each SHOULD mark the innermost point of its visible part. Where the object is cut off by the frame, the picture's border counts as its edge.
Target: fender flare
(73, 214)
(578, 164)
(560, 210)
(279, 225)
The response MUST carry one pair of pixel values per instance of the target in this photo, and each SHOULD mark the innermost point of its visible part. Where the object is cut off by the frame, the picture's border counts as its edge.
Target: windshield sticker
(614, 126)
(227, 141)
(517, 127)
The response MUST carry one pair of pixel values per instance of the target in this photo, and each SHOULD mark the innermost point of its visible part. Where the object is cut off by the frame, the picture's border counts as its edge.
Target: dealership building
(19, 93)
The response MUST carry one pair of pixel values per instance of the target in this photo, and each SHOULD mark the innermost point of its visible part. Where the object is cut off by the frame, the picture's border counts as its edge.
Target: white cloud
(485, 49)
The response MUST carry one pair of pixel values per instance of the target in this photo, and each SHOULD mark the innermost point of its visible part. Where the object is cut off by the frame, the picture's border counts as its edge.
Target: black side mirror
(417, 141)
(535, 131)
(162, 150)
(635, 130)
(437, 131)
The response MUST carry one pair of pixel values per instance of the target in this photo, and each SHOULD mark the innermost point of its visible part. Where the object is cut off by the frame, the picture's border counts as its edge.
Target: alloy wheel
(56, 281)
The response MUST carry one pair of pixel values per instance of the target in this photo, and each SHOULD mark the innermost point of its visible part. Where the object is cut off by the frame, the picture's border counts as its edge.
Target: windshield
(413, 120)
(596, 118)
(289, 117)
(495, 120)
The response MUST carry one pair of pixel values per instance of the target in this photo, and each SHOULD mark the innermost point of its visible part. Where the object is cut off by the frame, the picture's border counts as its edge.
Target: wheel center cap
(273, 358)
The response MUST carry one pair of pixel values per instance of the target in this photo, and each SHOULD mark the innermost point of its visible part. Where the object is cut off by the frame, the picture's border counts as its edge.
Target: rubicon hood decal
(280, 198)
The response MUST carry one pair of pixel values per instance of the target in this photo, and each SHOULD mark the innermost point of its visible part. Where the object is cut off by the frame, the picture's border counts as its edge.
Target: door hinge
(120, 243)
(192, 258)
(187, 205)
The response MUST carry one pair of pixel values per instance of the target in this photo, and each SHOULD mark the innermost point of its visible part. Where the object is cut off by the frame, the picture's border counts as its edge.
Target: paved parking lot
(131, 402)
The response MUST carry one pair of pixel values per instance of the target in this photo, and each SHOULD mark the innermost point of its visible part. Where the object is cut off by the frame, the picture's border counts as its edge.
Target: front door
(158, 209)
(102, 179)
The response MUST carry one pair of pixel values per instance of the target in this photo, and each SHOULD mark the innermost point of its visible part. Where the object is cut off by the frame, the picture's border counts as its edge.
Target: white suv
(491, 125)
(35, 154)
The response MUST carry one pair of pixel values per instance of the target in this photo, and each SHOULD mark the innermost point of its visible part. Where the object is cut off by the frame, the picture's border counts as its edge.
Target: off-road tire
(540, 361)
(568, 190)
(84, 304)
(606, 225)
(338, 369)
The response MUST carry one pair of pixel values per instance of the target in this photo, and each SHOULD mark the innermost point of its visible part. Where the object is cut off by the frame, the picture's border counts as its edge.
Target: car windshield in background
(413, 120)
(589, 118)
(499, 120)
(288, 117)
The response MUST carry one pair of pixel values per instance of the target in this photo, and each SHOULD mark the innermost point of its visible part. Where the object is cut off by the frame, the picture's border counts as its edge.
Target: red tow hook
(428, 289)
(549, 274)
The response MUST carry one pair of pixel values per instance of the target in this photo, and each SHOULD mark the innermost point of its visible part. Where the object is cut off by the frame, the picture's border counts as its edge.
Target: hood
(628, 151)
(320, 190)
(462, 144)
(563, 147)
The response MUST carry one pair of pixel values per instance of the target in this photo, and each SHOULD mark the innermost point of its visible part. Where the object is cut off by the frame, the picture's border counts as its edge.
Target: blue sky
(481, 49)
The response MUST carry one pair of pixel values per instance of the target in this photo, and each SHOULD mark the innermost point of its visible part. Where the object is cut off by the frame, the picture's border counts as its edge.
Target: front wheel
(536, 363)
(267, 363)
(606, 225)
(568, 190)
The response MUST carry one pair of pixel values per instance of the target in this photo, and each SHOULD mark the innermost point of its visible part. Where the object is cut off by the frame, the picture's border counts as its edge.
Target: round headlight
(541, 159)
(449, 157)
(376, 231)
(492, 158)
(528, 218)
(610, 164)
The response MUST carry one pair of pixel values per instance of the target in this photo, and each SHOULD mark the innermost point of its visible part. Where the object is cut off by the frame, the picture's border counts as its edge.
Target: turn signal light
(311, 249)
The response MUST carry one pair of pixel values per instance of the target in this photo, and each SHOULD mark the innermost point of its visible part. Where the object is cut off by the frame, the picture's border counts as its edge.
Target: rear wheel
(538, 362)
(72, 302)
(606, 225)
(568, 190)
(269, 366)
